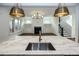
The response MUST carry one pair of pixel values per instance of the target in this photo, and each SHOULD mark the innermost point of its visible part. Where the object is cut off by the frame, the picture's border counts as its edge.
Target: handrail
(61, 30)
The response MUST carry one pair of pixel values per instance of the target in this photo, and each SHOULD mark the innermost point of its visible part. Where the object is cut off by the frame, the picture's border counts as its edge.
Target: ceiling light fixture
(62, 10)
(37, 16)
(16, 11)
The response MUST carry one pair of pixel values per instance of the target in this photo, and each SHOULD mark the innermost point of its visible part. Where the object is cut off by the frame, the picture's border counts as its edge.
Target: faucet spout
(40, 36)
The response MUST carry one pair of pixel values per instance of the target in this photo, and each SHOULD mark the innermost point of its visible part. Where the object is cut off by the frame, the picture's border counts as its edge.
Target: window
(47, 20)
(15, 25)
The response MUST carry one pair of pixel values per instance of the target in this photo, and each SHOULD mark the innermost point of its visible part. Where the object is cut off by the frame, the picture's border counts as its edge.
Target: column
(77, 24)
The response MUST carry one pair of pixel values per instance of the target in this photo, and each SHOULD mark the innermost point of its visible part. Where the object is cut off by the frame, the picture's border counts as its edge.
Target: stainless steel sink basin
(40, 46)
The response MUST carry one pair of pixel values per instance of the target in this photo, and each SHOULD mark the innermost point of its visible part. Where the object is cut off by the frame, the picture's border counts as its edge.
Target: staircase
(63, 32)
(66, 34)
(67, 28)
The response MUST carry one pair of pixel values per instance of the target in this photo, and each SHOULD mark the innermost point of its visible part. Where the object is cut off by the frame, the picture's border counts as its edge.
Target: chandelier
(37, 16)
(16, 11)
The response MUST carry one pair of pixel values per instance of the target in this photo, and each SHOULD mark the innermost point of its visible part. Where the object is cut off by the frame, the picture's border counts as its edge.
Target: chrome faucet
(40, 36)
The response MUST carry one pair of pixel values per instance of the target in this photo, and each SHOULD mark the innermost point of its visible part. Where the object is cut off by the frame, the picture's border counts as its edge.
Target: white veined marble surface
(18, 44)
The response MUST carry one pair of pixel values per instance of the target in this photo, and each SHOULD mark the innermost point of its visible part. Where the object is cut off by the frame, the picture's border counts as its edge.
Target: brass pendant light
(16, 11)
(61, 11)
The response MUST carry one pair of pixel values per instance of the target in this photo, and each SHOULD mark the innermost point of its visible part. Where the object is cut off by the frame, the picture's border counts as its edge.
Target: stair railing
(60, 29)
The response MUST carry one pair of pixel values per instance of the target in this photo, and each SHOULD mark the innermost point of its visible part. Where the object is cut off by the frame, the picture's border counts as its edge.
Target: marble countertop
(18, 44)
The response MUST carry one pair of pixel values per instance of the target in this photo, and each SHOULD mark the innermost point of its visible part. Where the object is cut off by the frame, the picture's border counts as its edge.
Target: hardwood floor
(31, 34)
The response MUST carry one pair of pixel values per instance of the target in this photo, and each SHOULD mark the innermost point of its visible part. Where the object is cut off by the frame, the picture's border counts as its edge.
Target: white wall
(77, 23)
(27, 28)
(48, 24)
(4, 25)
(73, 13)
(55, 22)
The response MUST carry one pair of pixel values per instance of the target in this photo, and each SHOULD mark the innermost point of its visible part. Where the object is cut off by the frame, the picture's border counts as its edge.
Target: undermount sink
(40, 46)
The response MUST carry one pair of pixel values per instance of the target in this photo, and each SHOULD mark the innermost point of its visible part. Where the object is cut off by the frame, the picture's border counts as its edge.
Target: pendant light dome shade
(17, 12)
(61, 11)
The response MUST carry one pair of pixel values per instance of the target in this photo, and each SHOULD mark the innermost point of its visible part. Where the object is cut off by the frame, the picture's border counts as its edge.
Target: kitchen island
(18, 44)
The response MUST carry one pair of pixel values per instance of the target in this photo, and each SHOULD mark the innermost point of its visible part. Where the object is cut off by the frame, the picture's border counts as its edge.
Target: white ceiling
(37, 4)
(45, 10)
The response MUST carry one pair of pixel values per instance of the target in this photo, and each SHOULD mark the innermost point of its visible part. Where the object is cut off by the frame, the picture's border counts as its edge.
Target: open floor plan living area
(39, 29)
